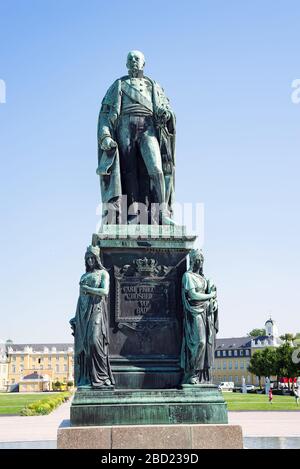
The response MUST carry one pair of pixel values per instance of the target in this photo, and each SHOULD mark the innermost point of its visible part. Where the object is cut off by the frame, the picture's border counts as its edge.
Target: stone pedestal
(148, 407)
(146, 264)
(151, 437)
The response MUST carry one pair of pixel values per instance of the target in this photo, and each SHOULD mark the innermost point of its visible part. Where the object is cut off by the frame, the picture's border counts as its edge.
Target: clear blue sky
(227, 68)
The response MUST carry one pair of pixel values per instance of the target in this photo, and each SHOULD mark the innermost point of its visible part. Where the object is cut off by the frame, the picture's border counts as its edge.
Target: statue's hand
(213, 294)
(108, 144)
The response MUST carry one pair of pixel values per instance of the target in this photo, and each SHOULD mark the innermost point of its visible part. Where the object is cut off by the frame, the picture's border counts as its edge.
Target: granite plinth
(151, 437)
(190, 405)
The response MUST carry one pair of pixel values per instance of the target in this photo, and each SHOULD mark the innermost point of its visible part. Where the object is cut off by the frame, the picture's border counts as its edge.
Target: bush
(45, 406)
(27, 412)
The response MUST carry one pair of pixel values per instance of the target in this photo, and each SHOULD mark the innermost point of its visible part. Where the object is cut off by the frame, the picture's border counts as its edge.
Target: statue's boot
(158, 182)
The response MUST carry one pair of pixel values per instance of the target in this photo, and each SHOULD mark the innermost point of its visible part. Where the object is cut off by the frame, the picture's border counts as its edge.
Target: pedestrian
(297, 395)
(270, 396)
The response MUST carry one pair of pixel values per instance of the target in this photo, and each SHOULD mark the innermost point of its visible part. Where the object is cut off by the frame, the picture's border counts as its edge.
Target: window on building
(13, 369)
(230, 365)
(248, 379)
(224, 365)
(218, 353)
(65, 367)
(57, 368)
(230, 353)
(224, 353)
(235, 353)
(219, 364)
(236, 379)
(236, 365)
(241, 365)
(241, 353)
(230, 378)
(247, 352)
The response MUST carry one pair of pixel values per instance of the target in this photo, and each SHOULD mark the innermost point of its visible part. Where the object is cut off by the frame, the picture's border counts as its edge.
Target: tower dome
(271, 328)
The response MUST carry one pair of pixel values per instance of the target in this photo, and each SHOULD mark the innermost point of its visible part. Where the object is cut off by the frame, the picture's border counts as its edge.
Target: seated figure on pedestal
(90, 325)
(200, 323)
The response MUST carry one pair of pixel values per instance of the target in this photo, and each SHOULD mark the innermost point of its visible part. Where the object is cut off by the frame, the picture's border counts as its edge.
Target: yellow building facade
(51, 362)
(232, 355)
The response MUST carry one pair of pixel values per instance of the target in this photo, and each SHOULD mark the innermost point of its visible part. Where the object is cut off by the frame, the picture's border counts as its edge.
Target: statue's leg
(151, 155)
(150, 152)
(128, 158)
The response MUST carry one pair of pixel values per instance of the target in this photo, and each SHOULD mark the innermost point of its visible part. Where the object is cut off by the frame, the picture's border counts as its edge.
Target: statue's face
(135, 61)
(90, 260)
(198, 264)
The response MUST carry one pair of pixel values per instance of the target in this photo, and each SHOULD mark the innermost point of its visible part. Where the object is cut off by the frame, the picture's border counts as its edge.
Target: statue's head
(196, 260)
(92, 258)
(135, 62)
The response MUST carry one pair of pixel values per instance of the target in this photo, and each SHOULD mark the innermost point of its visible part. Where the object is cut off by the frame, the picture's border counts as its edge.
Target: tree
(288, 338)
(256, 332)
(57, 386)
(297, 339)
(285, 366)
(263, 363)
(256, 365)
(269, 359)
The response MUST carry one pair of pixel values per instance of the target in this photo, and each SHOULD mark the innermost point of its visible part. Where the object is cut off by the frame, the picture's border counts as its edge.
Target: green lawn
(12, 403)
(238, 401)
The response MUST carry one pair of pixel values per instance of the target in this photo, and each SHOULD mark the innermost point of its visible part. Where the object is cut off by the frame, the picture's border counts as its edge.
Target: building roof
(246, 342)
(233, 343)
(270, 320)
(34, 375)
(61, 347)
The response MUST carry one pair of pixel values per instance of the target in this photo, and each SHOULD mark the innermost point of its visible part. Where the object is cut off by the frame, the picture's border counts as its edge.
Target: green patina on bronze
(136, 142)
(200, 323)
(190, 405)
(158, 318)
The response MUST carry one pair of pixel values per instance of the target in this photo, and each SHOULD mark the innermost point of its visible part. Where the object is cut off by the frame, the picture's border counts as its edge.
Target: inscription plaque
(143, 299)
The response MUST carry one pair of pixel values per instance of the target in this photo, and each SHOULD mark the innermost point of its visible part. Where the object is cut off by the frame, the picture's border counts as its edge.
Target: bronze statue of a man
(136, 143)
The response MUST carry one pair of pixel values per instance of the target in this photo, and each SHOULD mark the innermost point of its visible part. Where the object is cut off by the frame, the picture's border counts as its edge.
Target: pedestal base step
(151, 437)
(191, 405)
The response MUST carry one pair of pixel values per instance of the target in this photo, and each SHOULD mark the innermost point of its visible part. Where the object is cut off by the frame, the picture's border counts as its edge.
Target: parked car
(226, 386)
(249, 388)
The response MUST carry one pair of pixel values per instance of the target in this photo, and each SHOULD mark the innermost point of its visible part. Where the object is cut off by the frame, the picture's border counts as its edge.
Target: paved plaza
(44, 427)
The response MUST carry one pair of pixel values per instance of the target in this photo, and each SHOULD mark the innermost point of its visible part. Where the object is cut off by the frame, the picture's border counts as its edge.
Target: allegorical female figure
(90, 325)
(200, 323)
